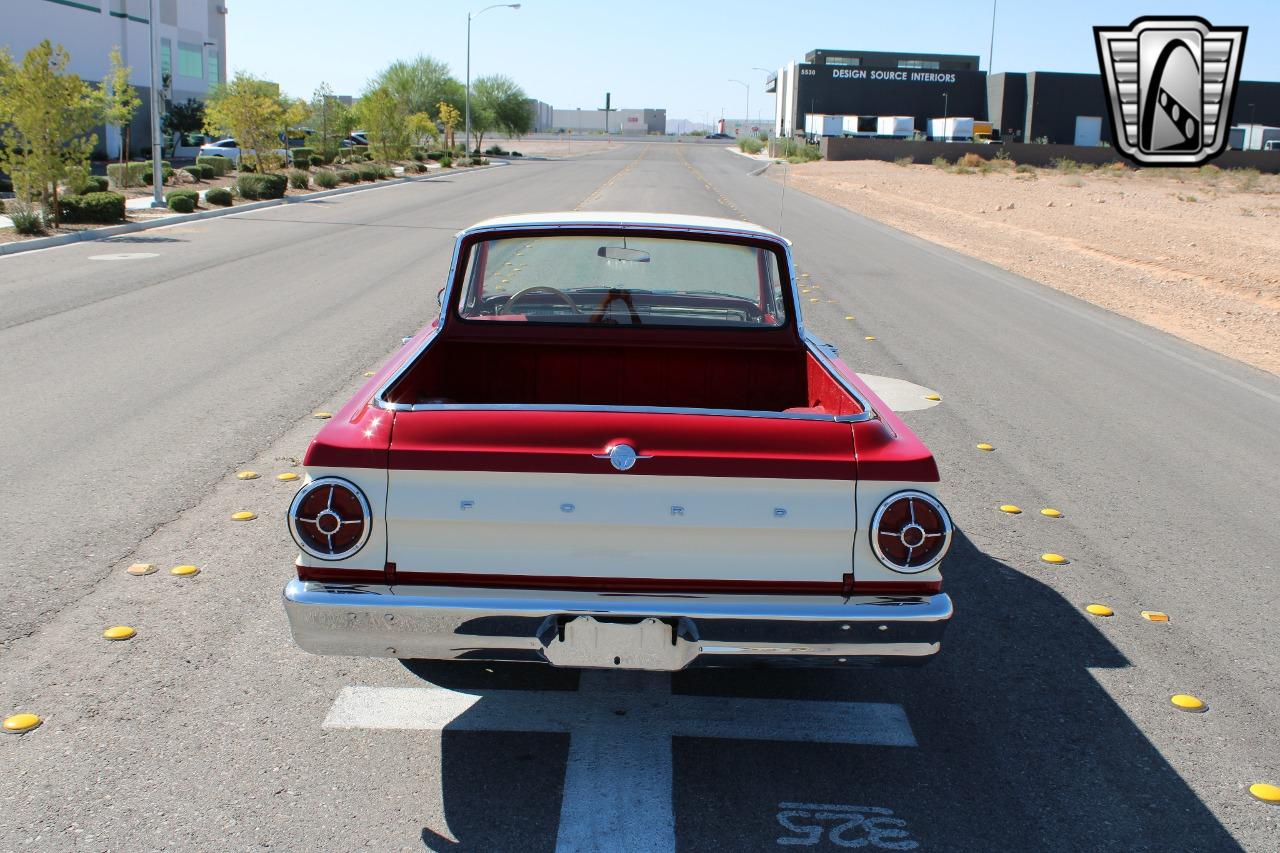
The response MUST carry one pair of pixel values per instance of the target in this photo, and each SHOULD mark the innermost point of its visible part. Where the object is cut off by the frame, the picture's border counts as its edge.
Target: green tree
(330, 118)
(119, 100)
(419, 84)
(48, 117)
(386, 122)
(422, 128)
(186, 117)
(502, 105)
(252, 111)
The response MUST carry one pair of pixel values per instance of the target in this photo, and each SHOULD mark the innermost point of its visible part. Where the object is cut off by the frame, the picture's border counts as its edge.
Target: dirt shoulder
(1191, 252)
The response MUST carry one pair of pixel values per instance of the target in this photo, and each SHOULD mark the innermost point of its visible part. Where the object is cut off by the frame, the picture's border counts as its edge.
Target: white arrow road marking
(617, 786)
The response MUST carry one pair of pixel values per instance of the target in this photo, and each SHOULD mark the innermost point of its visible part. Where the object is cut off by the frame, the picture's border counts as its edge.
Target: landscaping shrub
(6, 184)
(516, 154)
(91, 207)
(176, 197)
(798, 151)
(1065, 165)
(220, 196)
(971, 160)
(417, 152)
(1025, 169)
(446, 161)
(348, 176)
(940, 162)
(315, 160)
(302, 153)
(127, 174)
(220, 165)
(326, 179)
(27, 218)
(750, 145)
(903, 161)
(194, 171)
(94, 184)
(207, 172)
(299, 179)
(166, 174)
(264, 185)
(361, 150)
(367, 172)
(419, 168)
(435, 155)
(495, 150)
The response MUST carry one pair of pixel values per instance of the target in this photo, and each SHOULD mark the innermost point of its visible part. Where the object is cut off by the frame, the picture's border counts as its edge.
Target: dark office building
(871, 83)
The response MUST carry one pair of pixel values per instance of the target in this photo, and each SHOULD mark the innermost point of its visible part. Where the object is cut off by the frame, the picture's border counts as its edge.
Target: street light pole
(468, 96)
(157, 170)
(746, 116)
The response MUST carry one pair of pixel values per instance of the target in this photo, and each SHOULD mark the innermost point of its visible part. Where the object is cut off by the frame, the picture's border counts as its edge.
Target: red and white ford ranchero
(619, 447)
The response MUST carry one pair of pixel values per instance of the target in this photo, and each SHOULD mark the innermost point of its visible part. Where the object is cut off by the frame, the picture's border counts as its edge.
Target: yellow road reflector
(19, 723)
(1100, 610)
(1260, 790)
(119, 632)
(141, 568)
(804, 275)
(247, 475)
(933, 397)
(870, 337)
(323, 415)
(1187, 702)
(813, 299)
(1155, 616)
(1050, 512)
(1056, 559)
(287, 476)
(368, 373)
(1011, 509)
(243, 515)
(848, 316)
(984, 446)
(184, 571)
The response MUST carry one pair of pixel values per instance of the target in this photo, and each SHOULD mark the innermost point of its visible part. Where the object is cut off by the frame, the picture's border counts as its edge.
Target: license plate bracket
(646, 644)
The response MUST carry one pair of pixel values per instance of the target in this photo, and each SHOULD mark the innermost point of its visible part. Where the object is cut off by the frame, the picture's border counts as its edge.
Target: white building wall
(89, 29)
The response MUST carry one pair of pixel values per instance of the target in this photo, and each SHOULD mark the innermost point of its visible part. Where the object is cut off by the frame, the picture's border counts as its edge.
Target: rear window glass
(622, 280)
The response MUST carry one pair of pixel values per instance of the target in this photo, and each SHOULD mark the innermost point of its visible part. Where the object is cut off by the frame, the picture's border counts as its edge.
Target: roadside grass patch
(941, 162)
(1065, 165)
(750, 145)
(261, 185)
(27, 218)
(904, 162)
(326, 179)
(1246, 179)
(299, 179)
(348, 176)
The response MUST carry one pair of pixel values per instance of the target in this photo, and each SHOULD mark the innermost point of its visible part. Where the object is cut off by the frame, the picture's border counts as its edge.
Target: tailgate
(526, 497)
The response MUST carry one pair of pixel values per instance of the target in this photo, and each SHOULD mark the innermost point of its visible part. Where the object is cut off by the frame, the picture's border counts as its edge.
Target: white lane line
(617, 787)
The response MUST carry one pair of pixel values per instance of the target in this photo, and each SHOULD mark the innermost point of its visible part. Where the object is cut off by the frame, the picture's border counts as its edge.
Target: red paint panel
(887, 448)
(608, 584)
(686, 445)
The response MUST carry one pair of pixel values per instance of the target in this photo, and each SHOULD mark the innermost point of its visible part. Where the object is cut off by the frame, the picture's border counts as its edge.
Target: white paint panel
(620, 525)
(373, 482)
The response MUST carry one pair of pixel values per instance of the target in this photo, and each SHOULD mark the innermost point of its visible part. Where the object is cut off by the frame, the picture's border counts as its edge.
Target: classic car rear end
(618, 447)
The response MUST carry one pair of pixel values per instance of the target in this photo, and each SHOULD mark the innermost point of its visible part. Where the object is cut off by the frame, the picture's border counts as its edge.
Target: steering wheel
(538, 289)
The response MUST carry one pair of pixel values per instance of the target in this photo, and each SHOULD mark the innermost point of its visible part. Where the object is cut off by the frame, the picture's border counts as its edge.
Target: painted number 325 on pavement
(843, 826)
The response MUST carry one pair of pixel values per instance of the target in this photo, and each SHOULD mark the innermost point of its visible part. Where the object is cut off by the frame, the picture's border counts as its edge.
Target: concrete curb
(179, 218)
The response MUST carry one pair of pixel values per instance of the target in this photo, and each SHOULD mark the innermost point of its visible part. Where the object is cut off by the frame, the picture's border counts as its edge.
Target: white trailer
(817, 125)
(951, 129)
(897, 126)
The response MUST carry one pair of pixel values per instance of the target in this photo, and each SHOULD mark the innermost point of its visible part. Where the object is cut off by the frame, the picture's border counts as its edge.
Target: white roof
(613, 217)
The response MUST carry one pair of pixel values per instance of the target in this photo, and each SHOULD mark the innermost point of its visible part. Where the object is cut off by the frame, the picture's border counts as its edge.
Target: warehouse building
(629, 122)
(872, 83)
(192, 35)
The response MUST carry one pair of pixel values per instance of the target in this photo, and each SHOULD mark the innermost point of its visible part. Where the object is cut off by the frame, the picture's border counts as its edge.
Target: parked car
(618, 446)
(357, 137)
(230, 149)
(718, 136)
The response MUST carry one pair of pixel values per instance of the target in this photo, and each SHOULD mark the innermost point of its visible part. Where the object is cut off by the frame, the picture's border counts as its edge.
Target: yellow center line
(595, 194)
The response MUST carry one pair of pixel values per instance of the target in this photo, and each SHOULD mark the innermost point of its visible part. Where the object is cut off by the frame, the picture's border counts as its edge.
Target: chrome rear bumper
(447, 623)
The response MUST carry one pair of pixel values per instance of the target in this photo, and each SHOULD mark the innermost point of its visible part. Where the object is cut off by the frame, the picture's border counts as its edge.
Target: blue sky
(680, 54)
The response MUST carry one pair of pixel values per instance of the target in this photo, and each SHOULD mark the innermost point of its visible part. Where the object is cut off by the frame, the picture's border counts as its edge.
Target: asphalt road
(137, 387)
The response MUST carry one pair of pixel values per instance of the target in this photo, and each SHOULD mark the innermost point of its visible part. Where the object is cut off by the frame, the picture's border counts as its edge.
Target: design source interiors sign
(1171, 84)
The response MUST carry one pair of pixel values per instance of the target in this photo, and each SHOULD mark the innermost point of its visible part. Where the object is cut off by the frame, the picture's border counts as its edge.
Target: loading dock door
(1088, 130)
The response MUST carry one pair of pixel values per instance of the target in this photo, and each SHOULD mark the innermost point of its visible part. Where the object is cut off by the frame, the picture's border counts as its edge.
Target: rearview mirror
(621, 253)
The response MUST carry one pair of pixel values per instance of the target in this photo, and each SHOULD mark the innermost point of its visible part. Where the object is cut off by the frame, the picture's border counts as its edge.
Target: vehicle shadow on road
(133, 238)
(1019, 747)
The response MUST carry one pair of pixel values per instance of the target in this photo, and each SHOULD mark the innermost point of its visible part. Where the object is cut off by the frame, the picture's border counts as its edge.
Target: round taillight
(910, 532)
(329, 518)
